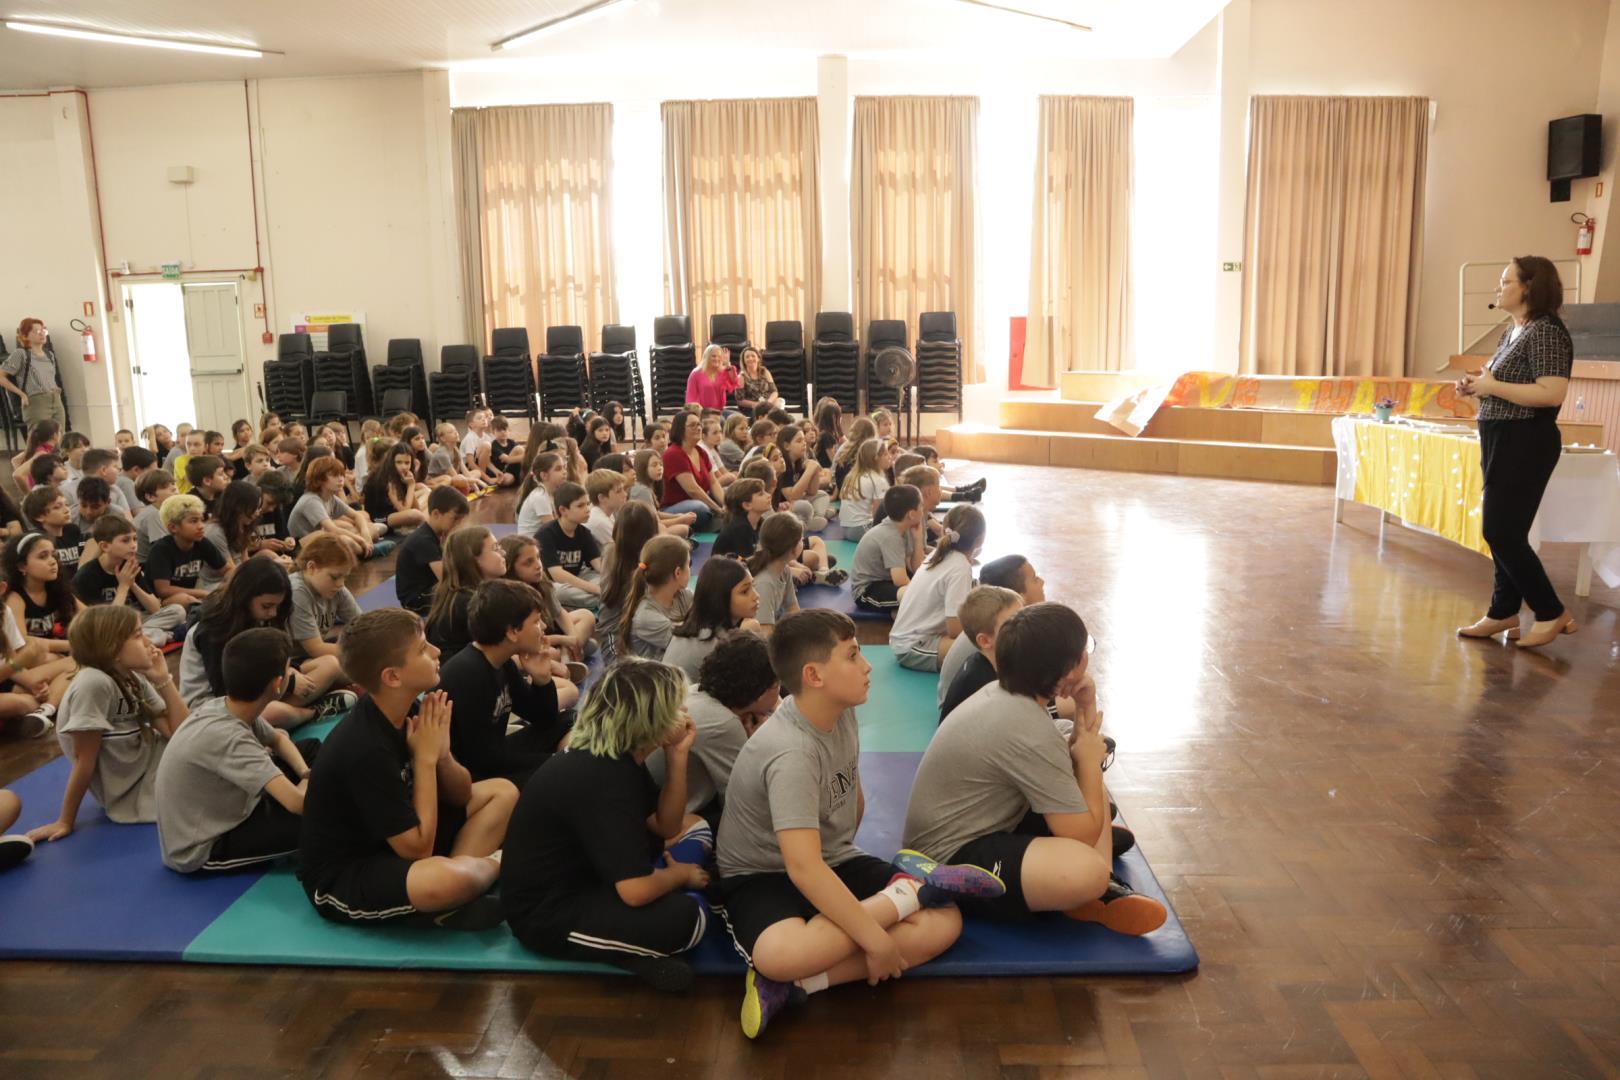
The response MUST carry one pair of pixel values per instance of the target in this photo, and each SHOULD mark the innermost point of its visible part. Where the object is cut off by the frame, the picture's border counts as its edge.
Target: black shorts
(371, 890)
(752, 903)
(1003, 855)
(268, 833)
(600, 927)
(879, 595)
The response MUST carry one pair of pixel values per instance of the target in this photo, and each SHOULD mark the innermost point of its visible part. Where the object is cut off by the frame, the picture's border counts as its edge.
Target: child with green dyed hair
(598, 860)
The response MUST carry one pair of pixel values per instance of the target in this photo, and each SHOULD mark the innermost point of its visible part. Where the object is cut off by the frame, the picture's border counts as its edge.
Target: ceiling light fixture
(1027, 14)
(561, 22)
(111, 38)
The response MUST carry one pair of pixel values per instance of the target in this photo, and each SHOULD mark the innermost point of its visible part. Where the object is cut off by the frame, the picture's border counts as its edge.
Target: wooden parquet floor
(1397, 853)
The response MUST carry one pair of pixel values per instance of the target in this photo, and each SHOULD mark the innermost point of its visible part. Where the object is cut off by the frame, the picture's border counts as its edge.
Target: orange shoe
(1122, 910)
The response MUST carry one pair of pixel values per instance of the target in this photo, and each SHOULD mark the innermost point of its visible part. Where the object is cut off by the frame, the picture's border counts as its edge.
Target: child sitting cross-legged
(321, 602)
(602, 864)
(506, 669)
(722, 601)
(744, 519)
(890, 552)
(420, 563)
(982, 613)
(154, 488)
(1013, 572)
(176, 561)
(321, 508)
(395, 830)
(807, 907)
(113, 721)
(1000, 785)
(926, 621)
(32, 679)
(657, 599)
(781, 540)
(231, 785)
(115, 576)
(571, 555)
(471, 556)
(636, 526)
(38, 594)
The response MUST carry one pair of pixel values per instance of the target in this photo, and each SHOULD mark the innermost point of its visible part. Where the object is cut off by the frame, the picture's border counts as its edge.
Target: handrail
(1463, 293)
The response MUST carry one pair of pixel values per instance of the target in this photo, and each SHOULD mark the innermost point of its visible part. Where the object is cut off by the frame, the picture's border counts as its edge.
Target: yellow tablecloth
(1425, 478)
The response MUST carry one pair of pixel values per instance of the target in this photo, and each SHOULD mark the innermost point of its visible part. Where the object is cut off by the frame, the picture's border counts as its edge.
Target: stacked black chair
(342, 368)
(404, 371)
(784, 359)
(883, 334)
(454, 387)
(615, 375)
(939, 364)
(509, 374)
(730, 331)
(289, 379)
(673, 358)
(562, 372)
(835, 360)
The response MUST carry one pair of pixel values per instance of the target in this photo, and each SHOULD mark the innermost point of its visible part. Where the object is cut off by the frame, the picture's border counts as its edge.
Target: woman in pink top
(713, 379)
(689, 483)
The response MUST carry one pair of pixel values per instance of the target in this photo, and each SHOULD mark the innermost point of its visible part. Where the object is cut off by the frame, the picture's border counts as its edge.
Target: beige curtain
(1333, 236)
(912, 218)
(742, 211)
(543, 213)
(469, 196)
(1080, 261)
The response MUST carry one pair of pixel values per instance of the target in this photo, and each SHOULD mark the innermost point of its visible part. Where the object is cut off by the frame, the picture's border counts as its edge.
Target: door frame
(243, 375)
(141, 420)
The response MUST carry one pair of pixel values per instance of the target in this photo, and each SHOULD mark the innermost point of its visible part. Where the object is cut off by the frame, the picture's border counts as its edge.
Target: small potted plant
(1382, 409)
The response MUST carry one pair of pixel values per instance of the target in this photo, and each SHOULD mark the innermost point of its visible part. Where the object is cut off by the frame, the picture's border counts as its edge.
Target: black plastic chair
(453, 389)
(835, 360)
(673, 358)
(784, 358)
(562, 372)
(615, 375)
(939, 364)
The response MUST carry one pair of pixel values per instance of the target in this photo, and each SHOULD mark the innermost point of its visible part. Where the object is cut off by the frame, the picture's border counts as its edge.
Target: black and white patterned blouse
(1542, 348)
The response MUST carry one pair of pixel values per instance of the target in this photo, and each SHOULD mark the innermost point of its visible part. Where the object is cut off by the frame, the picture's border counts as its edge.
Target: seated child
(571, 555)
(733, 441)
(722, 601)
(230, 786)
(1009, 572)
(735, 692)
(477, 448)
(657, 599)
(321, 602)
(1000, 785)
(115, 576)
(395, 830)
(391, 493)
(134, 463)
(176, 561)
(592, 867)
(32, 680)
(114, 719)
(486, 685)
(890, 552)
(208, 476)
(637, 524)
(420, 562)
(471, 557)
(547, 473)
(48, 509)
(807, 907)
(103, 464)
(153, 488)
(39, 595)
(505, 452)
(322, 508)
(571, 633)
(926, 620)
(781, 540)
(862, 490)
(193, 444)
(606, 492)
(983, 611)
(649, 466)
(275, 499)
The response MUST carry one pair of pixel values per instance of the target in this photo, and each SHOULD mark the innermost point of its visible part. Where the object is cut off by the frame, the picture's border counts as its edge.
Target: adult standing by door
(30, 373)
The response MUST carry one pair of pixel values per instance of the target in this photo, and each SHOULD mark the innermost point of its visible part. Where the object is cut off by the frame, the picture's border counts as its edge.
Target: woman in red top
(689, 483)
(711, 380)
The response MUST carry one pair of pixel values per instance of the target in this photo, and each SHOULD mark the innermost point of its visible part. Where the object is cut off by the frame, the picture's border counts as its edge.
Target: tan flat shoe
(1545, 633)
(1489, 627)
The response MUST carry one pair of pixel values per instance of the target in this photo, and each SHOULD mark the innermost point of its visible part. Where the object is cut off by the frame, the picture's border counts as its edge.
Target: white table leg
(1583, 572)
(1338, 511)
(1383, 519)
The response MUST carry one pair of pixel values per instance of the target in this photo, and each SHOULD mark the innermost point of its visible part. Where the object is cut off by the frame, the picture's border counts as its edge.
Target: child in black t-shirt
(571, 555)
(115, 576)
(420, 562)
(176, 561)
(395, 830)
(48, 509)
(505, 452)
(598, 861)
(747, 502)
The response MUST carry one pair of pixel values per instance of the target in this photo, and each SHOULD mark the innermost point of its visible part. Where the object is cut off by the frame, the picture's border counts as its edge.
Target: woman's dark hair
(237, 511)
(678, 425)
(58, 591)
(1543, 288)
(738, 670)
(384, 479)
(711, 599)
(1037, 647)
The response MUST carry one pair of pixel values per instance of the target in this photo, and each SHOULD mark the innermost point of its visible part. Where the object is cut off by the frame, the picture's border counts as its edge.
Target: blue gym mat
(103, 892)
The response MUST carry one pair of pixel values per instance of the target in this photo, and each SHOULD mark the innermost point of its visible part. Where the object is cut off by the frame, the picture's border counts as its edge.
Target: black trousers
(269, 833)
(1517, 458)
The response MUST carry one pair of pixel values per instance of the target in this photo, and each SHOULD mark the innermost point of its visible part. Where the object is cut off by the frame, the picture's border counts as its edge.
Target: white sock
(812, 983)
(903, 895)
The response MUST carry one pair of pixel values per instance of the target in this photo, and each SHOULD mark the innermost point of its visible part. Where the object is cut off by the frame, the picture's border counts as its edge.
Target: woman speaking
(1520, 391)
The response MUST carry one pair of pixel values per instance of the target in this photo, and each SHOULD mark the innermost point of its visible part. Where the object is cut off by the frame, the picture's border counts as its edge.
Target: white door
(214, 343)
(157, 343)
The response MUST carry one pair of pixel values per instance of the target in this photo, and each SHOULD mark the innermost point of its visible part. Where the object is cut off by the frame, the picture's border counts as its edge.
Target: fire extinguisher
(88, 337)
(1583, 234)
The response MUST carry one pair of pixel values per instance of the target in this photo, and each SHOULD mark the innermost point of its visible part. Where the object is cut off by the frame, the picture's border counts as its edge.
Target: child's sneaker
(13, 850)
(669, 974)
(831, 577)
(480, 913)
(35, 725)
(762, 999)
(335, 703)
(943, 883)
(382, 549)
(1123, 910)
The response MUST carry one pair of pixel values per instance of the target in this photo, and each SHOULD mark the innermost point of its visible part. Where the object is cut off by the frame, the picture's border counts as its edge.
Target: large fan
(893, 367)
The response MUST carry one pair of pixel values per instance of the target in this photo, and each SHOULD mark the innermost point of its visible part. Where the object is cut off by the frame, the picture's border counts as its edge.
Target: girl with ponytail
(657, 599)
(926, 622)
(781, 540)
(634, 525)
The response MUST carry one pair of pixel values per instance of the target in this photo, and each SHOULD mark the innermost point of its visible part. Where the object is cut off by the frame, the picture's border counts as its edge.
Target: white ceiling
(351, 37)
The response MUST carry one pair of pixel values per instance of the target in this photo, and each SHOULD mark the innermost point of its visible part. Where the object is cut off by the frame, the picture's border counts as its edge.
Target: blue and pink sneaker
(943, 883)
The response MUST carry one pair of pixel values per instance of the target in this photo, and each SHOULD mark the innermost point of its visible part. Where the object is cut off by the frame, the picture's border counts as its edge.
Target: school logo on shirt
(842, 784)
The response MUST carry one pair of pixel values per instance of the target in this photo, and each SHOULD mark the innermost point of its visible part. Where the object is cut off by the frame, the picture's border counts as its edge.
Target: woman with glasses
(30, 373)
